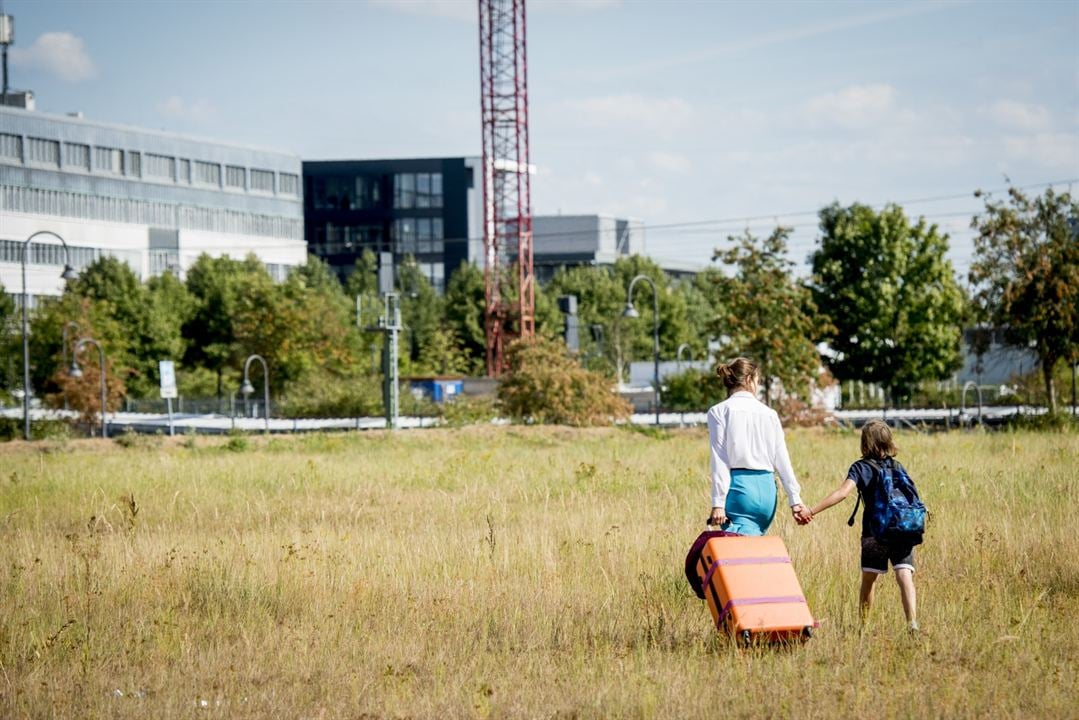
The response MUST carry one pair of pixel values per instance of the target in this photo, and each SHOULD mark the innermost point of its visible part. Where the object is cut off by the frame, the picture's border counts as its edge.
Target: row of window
(45, 253)
(359, 192)
(164, 168)
(417, 190)
(163, 215)
(415, 236)
(160, 261)
(344, 193)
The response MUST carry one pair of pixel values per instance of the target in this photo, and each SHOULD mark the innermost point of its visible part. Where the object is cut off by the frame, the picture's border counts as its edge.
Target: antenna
(7, 37)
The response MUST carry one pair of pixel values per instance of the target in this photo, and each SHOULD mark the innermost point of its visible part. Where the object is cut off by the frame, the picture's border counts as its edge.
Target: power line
(737, 222)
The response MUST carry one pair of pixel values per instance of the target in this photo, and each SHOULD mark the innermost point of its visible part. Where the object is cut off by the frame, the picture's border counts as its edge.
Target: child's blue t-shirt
(865, 476)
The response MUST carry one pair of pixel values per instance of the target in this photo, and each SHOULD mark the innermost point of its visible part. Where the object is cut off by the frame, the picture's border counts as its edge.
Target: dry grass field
(510, 572)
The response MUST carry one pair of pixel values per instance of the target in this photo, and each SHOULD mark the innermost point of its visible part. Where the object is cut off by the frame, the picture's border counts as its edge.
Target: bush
(545, 385)
(692, 391)
(469, 411)
(797, 413)
(11, 429)
(323, 394)
(1060, 421)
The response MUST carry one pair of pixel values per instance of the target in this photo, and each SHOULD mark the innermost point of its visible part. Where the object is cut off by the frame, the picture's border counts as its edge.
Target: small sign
(168, 378)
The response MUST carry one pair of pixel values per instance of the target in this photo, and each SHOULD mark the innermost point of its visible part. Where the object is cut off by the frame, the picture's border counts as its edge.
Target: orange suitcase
(752, 590)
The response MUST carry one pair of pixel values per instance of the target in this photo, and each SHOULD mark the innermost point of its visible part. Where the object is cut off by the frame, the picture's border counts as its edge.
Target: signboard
(168, 378)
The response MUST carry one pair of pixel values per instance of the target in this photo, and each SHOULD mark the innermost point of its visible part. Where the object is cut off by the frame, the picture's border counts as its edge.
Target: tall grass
(510, 572)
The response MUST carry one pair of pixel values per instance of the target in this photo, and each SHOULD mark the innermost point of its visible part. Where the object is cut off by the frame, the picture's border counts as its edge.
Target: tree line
(882, 300)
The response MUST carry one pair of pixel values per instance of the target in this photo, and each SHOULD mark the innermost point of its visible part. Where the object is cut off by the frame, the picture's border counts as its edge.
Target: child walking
(878, 451)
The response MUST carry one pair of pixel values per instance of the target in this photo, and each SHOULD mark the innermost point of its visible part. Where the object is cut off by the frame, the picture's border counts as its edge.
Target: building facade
(428, 208)
(155, 200)
(560, 241)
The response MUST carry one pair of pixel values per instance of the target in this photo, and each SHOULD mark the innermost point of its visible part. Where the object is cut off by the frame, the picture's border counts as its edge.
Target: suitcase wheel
(807, 632)
(745, 637)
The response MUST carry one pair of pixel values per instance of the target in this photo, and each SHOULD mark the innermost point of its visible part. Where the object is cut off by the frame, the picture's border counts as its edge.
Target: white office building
(155, 200)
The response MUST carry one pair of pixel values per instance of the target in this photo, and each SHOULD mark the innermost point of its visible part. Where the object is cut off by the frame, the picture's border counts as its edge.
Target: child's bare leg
(905, 578)
(865, 596)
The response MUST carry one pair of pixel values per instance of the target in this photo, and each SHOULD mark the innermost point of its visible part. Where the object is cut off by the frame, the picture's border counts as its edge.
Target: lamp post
(247, 388)
(67, 274)
(70, 324)
(76, 372)
(631, 312)
(678, 355)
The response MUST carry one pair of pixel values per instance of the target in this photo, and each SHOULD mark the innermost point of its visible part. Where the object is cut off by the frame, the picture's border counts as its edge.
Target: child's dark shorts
(876, 554)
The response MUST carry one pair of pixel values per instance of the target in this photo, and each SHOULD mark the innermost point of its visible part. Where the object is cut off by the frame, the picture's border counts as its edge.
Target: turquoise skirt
(751, 502)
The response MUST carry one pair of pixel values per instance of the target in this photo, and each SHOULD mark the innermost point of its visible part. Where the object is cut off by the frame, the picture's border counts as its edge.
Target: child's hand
(802, 514)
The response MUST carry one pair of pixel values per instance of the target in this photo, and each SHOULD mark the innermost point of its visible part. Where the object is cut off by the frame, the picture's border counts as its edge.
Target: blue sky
(672, 112)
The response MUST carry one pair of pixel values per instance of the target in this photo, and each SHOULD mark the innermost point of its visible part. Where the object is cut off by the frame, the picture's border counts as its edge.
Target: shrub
(325, 394)
(469, 411)
(12, 427)
(798, 413)
(692, 391)
(545, 385)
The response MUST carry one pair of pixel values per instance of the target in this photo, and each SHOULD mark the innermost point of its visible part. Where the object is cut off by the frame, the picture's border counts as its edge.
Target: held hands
(802, 514)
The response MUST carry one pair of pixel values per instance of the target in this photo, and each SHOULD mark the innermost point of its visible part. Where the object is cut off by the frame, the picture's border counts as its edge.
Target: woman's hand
(801, 514)
(718, 517)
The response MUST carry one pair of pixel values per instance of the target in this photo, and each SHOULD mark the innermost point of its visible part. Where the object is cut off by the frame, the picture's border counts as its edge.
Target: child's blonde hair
(877, 440)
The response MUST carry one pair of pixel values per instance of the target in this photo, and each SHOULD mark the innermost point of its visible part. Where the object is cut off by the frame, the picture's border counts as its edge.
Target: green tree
(218, 286)
(549, 321)
(464, 302)
(7, 308)
(545, 385)
(9, 342)
(766, 314)
(168, 306)
(601, 300)
(443, 355)
(421, 308)
(890, 295)
(1026, 274)
(601, 297)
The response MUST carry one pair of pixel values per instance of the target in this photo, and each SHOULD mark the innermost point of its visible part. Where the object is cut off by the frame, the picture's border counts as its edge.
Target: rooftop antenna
(7, 37)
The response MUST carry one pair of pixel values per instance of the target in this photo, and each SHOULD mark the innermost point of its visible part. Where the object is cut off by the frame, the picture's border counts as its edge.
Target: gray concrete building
(156, 200)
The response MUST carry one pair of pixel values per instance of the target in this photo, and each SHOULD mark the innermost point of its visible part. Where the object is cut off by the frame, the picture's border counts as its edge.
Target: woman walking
(748, 448)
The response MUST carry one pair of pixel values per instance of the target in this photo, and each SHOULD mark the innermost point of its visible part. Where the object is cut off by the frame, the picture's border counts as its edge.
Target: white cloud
(58, 53)
(853, 107)
(176, 108)
(669, 162)
(1056, 151)
(1019, 116)
(452, 9)
(573, 5)
(630, 111)
(768, 38)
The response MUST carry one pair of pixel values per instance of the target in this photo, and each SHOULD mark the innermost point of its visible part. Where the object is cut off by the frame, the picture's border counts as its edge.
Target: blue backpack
(896, 513)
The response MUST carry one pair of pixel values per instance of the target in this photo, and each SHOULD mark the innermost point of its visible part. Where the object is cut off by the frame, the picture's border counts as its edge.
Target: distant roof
(76, 120)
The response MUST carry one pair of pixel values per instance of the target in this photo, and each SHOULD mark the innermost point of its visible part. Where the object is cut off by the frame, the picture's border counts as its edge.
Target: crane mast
(507, 201)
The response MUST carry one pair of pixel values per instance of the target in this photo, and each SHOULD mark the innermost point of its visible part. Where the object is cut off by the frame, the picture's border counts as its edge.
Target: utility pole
(390, 326)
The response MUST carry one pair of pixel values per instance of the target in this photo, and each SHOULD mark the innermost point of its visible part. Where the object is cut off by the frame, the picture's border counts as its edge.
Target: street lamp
(678, 355)
(67, 274)
(76, 372)
(631, 312)
(70, 324)
(247, 388)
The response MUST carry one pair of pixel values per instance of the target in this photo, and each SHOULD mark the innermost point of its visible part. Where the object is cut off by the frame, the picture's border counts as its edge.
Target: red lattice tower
(507, 196)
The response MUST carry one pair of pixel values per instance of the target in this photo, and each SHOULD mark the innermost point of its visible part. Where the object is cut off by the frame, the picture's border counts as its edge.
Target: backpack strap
(850, 521)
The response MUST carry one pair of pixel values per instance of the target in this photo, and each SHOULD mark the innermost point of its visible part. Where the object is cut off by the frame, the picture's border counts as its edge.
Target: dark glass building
(428, 208)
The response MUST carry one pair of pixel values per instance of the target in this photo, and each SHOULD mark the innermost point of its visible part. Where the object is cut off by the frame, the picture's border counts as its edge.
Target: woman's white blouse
(746, 433)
